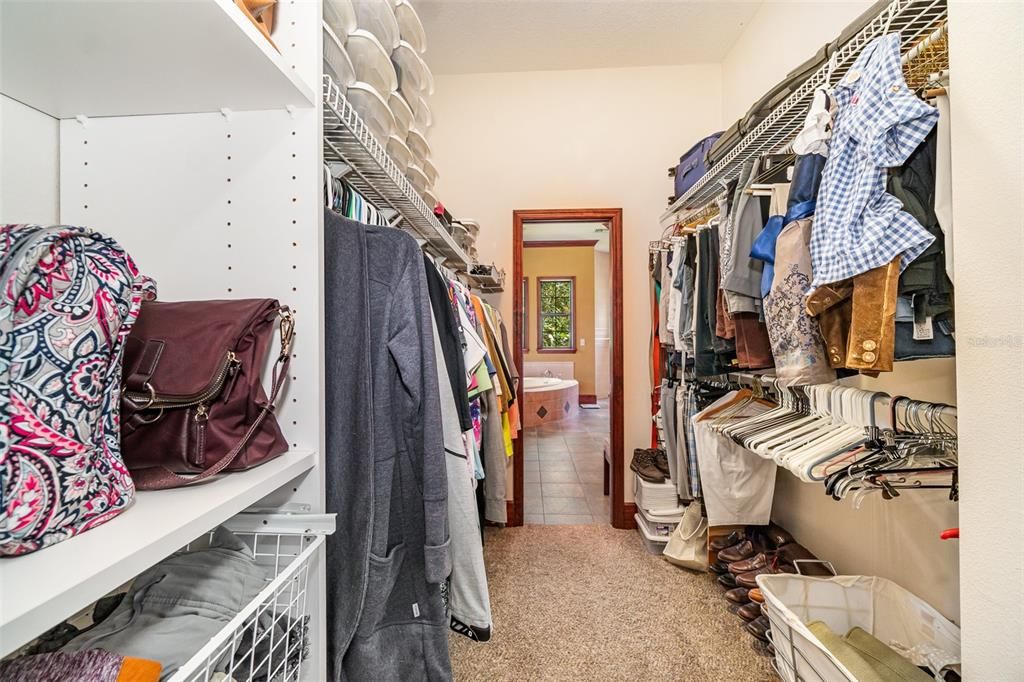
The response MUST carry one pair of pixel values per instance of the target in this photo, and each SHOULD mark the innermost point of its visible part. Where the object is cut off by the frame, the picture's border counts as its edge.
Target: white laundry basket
(894, 615)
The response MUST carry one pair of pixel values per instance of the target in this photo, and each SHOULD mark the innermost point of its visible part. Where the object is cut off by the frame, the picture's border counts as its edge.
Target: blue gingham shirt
(858, 226)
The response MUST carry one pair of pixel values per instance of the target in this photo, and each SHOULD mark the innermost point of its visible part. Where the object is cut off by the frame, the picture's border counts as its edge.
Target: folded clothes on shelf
(173, 609)
(93, 665)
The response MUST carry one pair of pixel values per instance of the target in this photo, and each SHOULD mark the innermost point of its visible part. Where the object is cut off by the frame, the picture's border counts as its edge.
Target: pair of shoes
(759, 628)
(650, 464)
(738, 595)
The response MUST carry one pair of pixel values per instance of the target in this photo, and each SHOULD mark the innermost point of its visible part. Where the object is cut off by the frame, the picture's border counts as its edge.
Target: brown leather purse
(192, 400)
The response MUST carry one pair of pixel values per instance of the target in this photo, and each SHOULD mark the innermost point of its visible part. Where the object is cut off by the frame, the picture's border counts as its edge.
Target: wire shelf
(269, 638)
(914, 20)
(490, 282)
(347, 140)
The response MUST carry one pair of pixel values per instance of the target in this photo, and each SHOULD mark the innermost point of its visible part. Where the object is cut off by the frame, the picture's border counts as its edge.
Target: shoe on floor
(718, 568)
(750, 611)
(644, 467)
(471, 631)
(749, 579)
(727, 580)
(721, 542)
(759, 628)
(744, 549)
(755, 595)
(759, 560)
(762, 648)
(738, 595)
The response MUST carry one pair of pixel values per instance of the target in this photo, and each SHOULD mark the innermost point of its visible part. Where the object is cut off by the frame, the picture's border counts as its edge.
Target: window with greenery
(556, 307)
(524, 341)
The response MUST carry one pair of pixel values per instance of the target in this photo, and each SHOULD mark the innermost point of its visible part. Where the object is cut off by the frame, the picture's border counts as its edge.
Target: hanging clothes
(859, 226)
(385, 468)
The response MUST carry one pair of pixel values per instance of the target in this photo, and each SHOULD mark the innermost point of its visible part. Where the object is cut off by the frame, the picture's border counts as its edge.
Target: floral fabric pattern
(799, 351)
(69, 299)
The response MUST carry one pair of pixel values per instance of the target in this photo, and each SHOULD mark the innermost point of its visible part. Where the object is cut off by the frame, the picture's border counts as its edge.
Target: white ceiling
(482, 36)
(554, 232)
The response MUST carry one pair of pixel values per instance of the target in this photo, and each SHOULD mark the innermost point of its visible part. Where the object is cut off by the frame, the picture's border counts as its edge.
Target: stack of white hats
(373, 49)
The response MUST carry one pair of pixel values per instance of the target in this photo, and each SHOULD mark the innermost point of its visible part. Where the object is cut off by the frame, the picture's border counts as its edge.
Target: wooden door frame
(621, 515)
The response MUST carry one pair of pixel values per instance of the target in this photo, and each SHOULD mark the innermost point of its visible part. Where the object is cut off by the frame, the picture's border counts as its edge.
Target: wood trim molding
(629, 512)
(524, 287)
(621, 513)
(572, 314)
(588, 399)
(554, 243)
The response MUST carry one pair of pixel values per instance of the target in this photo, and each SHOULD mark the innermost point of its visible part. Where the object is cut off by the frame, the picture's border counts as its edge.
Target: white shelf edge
(275, 57)
(39, 590)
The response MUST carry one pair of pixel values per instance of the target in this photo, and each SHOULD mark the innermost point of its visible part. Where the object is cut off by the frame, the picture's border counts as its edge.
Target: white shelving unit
(367, 166)
(53, 584)
(68, 58)
(188, 138)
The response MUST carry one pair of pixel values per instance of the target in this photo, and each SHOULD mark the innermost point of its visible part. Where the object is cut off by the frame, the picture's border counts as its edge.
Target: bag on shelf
(193, 401)
(69, 299)
(692, 165)
(688, 544)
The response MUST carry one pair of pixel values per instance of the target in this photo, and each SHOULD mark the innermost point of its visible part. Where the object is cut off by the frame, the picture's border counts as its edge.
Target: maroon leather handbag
(192, 400)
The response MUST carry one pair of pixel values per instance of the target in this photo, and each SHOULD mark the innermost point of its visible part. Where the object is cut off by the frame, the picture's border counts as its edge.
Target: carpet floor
(588, 602)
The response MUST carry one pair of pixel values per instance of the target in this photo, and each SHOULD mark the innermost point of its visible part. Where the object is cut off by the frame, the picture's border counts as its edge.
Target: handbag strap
(162, 478)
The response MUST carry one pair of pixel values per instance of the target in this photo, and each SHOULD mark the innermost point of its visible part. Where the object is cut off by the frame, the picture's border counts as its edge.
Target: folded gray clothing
(176, 607)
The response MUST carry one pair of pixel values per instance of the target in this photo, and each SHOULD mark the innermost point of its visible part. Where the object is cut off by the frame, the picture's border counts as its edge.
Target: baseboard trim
(588, 399)
(627, 522)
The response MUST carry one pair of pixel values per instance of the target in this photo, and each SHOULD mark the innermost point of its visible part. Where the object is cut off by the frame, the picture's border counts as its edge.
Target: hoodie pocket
(382, 574)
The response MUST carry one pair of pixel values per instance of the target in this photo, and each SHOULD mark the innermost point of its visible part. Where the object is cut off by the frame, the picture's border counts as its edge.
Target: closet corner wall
(219, 199)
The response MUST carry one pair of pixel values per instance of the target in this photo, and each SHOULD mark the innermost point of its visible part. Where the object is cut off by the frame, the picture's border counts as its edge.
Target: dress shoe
(734, 609)
(749, 611)
(755, 562)
(759, 628)
(738, 552)
(778, 536)
(727, 580)
(749, 579)
(721, 542)
(718, 568)
(738, 595)
(644, 467)
(661, 462)
(755, 595)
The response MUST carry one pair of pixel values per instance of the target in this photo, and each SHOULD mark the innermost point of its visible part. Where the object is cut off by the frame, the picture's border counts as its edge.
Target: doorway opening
(567, 281)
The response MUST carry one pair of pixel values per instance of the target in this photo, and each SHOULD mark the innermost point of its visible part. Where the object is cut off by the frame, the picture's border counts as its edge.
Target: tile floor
(564, 469)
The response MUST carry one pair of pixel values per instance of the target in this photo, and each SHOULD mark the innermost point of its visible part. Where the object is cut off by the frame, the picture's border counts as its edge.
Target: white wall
(780, 36)
(29, 164)
(574, 139)
(897, 539)
(986, 96)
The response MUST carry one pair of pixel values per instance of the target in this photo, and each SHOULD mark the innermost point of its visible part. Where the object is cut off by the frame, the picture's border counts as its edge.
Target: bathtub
(549, 399)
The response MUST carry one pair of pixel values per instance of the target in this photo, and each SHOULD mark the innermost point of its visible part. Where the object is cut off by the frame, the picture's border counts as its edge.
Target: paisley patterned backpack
(69, 298)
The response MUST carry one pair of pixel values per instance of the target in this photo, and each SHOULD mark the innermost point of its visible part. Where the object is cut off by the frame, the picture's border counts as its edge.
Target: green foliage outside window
(556, 308)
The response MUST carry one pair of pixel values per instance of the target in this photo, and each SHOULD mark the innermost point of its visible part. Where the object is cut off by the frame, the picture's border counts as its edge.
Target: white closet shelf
(368, 168)
(99, 58)
(39, 590)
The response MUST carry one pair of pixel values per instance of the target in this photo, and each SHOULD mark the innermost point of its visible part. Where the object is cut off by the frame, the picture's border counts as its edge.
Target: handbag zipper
(199, 420)
(227, 368)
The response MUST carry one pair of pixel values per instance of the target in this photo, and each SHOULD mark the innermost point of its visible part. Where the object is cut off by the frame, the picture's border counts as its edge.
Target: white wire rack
(490, 282)
(268, 641)
(348, 141)
(914, 20)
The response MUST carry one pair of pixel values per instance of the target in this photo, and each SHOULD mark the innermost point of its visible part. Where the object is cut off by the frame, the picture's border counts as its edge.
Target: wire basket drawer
(268, 641)
(879, 606)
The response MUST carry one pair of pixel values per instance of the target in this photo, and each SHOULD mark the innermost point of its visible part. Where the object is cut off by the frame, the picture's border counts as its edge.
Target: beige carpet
(588, 602)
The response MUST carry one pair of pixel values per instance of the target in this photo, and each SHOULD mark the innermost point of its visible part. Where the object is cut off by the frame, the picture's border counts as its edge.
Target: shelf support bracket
(290, 108)
(226, 113)
(83, 119)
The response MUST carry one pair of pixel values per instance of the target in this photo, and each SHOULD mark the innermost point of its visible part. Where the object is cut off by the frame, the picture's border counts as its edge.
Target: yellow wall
(565, 261)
